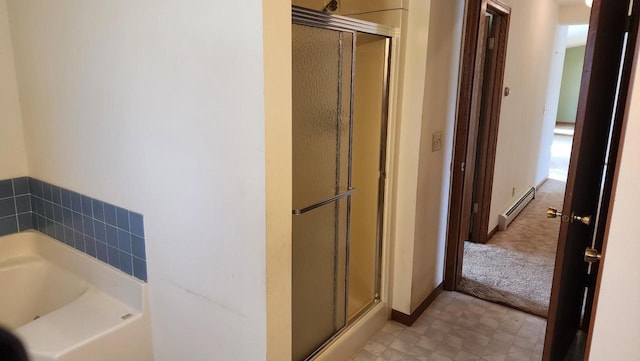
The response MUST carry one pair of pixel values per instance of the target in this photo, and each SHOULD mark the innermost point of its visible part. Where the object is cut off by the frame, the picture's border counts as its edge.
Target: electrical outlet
(436, 141)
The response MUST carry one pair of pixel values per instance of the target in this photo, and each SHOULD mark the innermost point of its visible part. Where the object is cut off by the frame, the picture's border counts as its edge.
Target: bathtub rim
(96, 273)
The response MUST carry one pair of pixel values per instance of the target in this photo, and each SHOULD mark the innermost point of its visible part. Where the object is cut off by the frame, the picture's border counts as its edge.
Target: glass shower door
(321, 184)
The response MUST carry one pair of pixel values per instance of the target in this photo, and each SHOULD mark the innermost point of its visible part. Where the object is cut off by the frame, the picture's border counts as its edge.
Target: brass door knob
(584, 220)
(553, 212)
(591, 255)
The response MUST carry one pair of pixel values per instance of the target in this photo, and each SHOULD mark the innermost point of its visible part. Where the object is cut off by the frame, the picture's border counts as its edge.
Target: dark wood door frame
(595, 114)
(615, 152)
(468, 130)
(631, 66)
(489, 119)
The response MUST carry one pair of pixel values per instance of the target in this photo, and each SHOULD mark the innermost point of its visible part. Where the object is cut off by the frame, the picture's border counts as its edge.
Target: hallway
(515, 267)
(458, 327)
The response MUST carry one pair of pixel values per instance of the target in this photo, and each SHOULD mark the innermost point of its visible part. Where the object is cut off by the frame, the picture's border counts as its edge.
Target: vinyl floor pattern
(458, 327)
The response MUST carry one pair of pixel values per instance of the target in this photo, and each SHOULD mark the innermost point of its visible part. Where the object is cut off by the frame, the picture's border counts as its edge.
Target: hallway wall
(13, 158)
(552, 103)
(571, 78)
(520, 134)
(152, 105)
(434, 173)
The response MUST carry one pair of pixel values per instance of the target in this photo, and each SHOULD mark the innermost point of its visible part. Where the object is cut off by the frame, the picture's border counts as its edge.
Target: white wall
(438, 115)
(615, 329)
(529, 52)
(552, 103)
(13, 160)
(158, 107)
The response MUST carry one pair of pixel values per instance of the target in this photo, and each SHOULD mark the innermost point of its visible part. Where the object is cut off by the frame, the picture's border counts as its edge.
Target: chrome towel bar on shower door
(298, 212)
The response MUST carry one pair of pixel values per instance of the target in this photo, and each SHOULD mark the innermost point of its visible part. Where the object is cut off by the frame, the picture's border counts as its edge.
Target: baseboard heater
(512, 212)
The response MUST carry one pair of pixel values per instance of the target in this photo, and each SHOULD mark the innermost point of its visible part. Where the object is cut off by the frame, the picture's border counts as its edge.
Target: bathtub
(67, 306)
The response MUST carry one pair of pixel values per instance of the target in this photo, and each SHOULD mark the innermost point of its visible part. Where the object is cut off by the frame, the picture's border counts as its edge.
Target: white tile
(457, 327)
(491, 355)
(401, 345)
(427, 343)
(391, 354)
(473, 348)
(374, 347)
(365, 356)
(435, 357)
(490, 322)
(442, 325)
(419, 351)
(454, 341)
(383, 338)
(415, 358)
(465, 356)
(409, 336)
(447, 351)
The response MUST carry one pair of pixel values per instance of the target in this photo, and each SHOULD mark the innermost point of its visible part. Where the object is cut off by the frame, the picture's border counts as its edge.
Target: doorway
(584, 216)
(515, 265)
(340, 98)
(492, 50)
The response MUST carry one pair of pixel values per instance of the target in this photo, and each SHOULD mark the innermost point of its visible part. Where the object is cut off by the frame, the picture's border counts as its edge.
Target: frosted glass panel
(321, 110)
(318, 297)
(321, 121)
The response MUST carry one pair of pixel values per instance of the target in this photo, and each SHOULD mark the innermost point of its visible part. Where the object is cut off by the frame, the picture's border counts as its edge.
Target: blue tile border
(106, 232)
(15, 206)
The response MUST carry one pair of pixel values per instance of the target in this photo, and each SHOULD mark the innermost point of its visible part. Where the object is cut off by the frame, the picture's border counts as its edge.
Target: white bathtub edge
(107, 279)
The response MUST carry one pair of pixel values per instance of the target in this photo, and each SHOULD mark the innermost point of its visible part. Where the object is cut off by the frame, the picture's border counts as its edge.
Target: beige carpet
(515, 267)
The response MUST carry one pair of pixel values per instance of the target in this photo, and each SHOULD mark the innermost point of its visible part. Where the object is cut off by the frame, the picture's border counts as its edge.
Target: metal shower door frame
(312, 18)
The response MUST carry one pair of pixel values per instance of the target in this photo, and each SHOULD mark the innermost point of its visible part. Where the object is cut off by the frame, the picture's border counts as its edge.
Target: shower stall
(340, 105)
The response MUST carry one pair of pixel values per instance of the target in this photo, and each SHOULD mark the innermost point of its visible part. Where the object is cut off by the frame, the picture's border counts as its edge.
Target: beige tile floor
(457, 327)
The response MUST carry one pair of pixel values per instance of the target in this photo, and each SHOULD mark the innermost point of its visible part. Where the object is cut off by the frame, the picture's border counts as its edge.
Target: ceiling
(577, 35)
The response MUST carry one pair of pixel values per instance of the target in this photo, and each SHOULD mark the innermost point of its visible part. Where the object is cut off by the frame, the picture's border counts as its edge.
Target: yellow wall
(13, 160)
(277, 99)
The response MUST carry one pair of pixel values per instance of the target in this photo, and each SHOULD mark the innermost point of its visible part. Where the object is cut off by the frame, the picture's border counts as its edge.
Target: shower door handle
(301, 211)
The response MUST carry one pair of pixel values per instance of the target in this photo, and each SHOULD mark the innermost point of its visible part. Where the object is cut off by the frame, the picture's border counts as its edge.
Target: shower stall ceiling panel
(340, 85)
